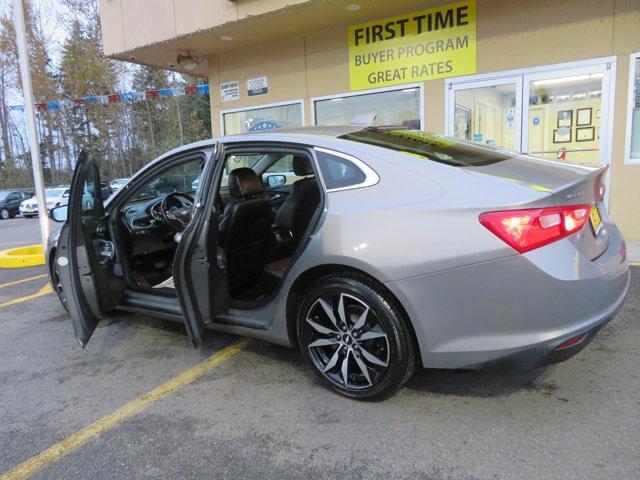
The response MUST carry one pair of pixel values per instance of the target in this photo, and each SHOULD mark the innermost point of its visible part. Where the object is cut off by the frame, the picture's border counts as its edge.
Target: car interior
(265, 202)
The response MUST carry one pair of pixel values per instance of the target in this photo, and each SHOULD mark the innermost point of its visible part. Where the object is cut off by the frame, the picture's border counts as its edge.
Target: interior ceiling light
(188, 61)
(226, 38)
(352, 7)
(573, 78)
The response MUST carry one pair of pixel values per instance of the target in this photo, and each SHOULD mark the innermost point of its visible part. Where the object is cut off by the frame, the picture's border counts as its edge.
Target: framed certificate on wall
(585, 134)
(562, 135)
(583, 117)
(565, 118)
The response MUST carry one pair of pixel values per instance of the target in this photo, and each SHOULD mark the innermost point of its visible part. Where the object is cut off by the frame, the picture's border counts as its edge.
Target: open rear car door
(199, 270)
(85, 256)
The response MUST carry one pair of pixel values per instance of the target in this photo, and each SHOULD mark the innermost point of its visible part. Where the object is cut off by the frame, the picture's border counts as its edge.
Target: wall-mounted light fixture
(188, 61)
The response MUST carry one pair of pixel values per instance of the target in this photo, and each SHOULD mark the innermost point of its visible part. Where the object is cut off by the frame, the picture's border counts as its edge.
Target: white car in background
(118, 183)
(55, 197)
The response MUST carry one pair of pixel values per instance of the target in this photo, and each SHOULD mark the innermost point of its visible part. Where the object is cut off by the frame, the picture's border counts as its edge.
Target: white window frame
(630, 100)
(608, 83)
(285, 103)
(370, 91)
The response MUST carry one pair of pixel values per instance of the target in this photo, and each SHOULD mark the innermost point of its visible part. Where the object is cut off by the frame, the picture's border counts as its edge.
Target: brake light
(525, 230)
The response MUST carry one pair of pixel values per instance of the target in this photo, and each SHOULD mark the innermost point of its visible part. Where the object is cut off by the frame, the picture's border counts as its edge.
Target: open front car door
(85, 256)
(199, 269)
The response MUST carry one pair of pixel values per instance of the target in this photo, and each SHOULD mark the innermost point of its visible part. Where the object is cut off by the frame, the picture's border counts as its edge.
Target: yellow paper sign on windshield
(423, 45)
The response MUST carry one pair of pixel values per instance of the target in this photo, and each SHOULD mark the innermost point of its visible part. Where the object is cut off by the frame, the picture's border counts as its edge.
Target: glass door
(487, 112)
(565, 115)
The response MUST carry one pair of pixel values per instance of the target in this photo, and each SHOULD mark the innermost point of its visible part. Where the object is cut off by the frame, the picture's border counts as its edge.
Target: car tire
(27, 216)
(376, 341)
(5, 214)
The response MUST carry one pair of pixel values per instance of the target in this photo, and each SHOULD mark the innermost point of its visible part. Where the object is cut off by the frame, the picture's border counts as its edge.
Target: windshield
(54, 192)
(430, 147)
(3, 195)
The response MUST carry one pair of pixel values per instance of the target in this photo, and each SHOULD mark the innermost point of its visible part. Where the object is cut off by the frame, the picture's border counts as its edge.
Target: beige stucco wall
(129, 24)
(509, 36)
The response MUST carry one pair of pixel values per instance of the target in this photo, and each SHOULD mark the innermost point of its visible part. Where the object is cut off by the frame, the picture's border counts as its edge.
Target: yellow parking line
(58, 450)
(22, 280)
(46, 290)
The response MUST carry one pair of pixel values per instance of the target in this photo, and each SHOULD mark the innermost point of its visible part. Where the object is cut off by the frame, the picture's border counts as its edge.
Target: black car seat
(296, 212)
(245, 228)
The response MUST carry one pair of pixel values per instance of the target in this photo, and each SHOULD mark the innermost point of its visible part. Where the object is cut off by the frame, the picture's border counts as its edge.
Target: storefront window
(634, 114)
(395, 107)
(564, 118)
(487, 115)
(262, 118)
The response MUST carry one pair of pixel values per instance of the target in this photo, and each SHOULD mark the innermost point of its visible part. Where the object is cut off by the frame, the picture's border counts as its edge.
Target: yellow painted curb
(22, 257)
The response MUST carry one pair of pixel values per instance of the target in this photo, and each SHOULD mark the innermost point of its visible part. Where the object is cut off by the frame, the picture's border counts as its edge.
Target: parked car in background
(55, 197)
(118, 183)
(10, 201)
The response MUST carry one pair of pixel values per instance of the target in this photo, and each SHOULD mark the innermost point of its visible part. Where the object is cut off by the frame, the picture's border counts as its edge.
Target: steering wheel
(175, 209)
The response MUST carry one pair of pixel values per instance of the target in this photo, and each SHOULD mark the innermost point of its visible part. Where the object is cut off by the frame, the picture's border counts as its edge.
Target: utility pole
(34, 144)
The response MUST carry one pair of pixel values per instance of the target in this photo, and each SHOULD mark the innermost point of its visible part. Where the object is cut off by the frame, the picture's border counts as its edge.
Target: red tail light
(528, 229)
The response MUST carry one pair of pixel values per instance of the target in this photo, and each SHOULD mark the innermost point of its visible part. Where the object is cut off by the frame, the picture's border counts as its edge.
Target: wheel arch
(309, 276)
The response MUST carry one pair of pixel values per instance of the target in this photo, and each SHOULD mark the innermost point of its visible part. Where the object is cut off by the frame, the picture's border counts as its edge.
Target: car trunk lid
(568, 185)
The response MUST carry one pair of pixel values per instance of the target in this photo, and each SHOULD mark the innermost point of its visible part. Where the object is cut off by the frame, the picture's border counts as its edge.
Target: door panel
(199, 269)
(85, 255)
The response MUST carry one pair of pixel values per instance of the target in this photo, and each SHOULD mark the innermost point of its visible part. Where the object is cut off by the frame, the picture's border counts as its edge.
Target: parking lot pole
(34, 143)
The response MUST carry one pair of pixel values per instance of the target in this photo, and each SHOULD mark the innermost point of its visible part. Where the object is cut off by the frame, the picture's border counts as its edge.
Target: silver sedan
(374, 250)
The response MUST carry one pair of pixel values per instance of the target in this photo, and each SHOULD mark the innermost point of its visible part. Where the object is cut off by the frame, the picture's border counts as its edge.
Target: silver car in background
(394, 249)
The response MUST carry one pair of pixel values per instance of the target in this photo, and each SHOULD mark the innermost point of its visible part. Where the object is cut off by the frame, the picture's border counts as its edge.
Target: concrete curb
(30, 256)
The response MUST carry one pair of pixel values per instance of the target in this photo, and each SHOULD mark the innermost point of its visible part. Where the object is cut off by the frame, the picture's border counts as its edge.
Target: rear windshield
(428, 146)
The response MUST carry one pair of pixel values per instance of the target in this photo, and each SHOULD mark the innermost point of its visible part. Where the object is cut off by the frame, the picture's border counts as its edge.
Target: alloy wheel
(347, 343)
(4, 213)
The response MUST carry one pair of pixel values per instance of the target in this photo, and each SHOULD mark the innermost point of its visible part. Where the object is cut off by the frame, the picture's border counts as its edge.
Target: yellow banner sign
(434, 43)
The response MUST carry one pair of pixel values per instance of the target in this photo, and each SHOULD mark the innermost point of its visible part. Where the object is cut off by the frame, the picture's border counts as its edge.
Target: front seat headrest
(244, 182)
(302, 166)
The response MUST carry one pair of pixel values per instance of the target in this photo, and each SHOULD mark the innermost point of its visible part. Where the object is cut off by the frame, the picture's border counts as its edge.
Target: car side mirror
(59, 214)
(276, 180)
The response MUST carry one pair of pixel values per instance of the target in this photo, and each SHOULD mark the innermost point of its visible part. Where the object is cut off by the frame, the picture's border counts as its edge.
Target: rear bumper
(548, 352)
(516, 310)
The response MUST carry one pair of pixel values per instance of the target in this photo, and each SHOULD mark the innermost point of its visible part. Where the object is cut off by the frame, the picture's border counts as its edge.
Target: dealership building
(558, 79)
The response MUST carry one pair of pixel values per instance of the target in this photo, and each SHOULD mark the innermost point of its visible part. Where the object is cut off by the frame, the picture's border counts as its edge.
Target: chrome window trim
(370, 176)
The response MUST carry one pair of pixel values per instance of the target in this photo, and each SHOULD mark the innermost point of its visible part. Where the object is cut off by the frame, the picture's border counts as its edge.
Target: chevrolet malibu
(394, 249)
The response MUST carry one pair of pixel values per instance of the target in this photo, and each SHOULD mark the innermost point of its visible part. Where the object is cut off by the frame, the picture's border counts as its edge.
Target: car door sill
(163, 306)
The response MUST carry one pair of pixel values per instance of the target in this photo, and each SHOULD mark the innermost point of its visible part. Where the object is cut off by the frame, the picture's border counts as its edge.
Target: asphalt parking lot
(256, 411)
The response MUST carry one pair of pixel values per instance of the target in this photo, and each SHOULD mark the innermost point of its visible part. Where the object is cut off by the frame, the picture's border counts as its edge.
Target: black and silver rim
(346, 341)
(4, 214)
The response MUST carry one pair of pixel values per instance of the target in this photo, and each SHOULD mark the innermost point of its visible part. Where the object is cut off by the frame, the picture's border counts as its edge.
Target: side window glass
(339, 172)
(238, 161)
(184, 177)
(91, 193)
(280, 173)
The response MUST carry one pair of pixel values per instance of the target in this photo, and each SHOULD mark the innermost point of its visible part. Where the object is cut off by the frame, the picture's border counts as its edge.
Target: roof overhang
(289, 21)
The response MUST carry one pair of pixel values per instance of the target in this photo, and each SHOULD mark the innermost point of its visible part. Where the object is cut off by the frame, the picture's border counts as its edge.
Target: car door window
(284, 167)
(238, 161)
(91, 198)
(179, 178)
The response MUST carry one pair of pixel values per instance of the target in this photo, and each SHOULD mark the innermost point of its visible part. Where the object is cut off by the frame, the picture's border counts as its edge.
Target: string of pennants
(127, 97)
